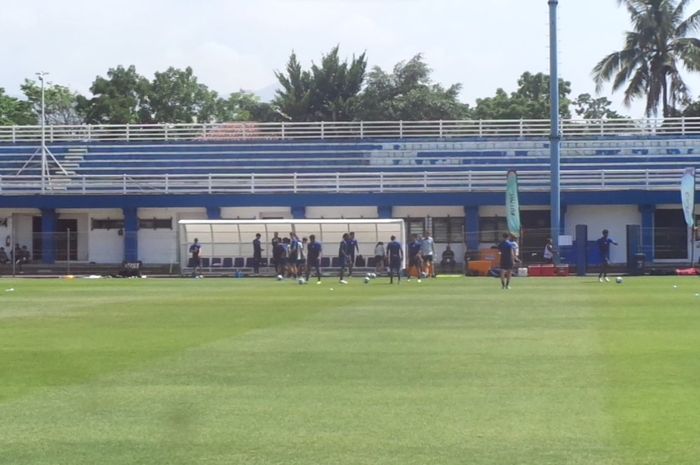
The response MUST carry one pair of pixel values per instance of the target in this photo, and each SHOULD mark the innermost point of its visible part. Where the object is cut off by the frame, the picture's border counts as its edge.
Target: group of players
(296, 257)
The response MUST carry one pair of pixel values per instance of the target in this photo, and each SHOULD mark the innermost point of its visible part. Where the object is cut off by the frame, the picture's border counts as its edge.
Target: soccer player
(313, 258)
(257, 254)
(604, 248)
(395, 254)
(354, 246)
(301, 256)
(427, 250)
(344, 255)
(507, 261)
(379, 257)
(414, 258)
(293, 262)
(195, 250)
(276, 250)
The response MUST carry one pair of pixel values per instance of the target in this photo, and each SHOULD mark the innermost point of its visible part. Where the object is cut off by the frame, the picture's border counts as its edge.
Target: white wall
(423, 211)
(614, 218)
(246, 213)
(341, 212)
(24, 230)
(105, 245)
(159, 246)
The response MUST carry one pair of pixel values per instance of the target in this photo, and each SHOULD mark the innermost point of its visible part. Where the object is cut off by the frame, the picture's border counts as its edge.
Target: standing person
(276, 242)
(414, 258)
(379, 257)
(507, 261)
(516, 248)
(395, 253)
(284, 257)
(196, 250)
(427, 250)
(604, 248)
(354, 247)
(301, 257)
(293, 261)
(548, 253)
(344, 255)
(257, 254)
(313, 258)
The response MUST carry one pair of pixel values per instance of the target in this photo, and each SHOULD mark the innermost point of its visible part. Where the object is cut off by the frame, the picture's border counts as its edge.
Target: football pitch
(255, 371)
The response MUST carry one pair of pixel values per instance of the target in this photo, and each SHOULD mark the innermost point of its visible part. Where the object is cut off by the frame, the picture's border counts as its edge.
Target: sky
(237, 44)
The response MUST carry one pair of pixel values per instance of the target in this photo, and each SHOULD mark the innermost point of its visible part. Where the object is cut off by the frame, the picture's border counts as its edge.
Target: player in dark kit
(604, 248)
(257, 254)
(313, 258)
(507, 261)
(414, 257)
(395, 253)
(353, 247)
(344, 255)
(195, 250)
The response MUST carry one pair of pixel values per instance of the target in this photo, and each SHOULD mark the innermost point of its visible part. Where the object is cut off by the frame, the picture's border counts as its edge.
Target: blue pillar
(471, 227)
(48, 235)
(213, 213)
(298, 213)
(385, 211)
(131, 230)
(648, 231)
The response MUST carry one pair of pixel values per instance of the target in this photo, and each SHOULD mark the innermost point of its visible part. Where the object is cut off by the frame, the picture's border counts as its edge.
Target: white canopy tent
(228, 244)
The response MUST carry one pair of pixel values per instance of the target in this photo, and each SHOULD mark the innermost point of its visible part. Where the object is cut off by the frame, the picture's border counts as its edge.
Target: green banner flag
(512, 203)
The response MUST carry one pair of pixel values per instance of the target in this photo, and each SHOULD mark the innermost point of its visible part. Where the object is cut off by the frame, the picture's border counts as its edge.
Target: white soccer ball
(366, 279)
(280, 277)
(423, 274)
(373, 275)
(301, 281)
(618, 280)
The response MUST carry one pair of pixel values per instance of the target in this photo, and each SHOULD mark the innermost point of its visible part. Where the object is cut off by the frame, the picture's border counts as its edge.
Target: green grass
(451, 371)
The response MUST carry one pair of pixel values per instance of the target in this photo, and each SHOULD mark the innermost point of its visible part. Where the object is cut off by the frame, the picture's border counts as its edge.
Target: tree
(588, 107)
(120, 98)
(14, 111)
(327, 92)
(654, 53)
(408, 93)
(244, 106)
(529, 101)
(60, 103)
(176, 97)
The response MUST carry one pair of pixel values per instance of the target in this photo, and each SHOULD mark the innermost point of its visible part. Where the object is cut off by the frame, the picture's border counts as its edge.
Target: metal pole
(68, 249)
(43, 134)
(555, 136)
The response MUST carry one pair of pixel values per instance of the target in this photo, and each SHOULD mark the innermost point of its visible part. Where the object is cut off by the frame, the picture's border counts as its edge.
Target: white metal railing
(522, 128)
(339, 182)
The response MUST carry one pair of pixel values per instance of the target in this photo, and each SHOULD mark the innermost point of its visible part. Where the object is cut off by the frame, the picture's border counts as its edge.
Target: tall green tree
(244, 106)
(326, 92)
(176, 96)
(120, 98)
(14, 111)
(588, 107)
(408, 93)
(655, 52)
(60, 103)
(530, 101)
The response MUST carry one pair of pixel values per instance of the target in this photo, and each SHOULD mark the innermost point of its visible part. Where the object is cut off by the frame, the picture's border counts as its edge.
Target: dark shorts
(312, 262)
(196, 261)
(507, 264)
(395, 263)
(413, 261)
(342, 261)
(379, 258)
(428, 258)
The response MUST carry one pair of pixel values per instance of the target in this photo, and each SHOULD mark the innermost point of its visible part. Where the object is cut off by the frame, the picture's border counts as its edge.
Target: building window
(106, 223)
(448, 230)
(492, 228)
(670, 235)
(415, 226)
(155, 223)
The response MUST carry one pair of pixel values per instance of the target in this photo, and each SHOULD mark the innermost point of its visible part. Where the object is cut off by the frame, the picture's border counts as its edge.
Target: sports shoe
(600, 280)
(342, 281)
(607, 280)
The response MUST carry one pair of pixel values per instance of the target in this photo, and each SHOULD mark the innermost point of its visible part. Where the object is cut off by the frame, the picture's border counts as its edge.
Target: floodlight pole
(554, 135)
(44, 163)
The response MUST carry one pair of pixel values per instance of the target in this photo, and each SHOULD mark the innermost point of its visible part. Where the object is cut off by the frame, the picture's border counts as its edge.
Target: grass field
(450, 371)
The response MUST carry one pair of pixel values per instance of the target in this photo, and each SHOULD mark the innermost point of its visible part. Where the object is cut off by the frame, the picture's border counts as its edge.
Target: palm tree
(655, 52)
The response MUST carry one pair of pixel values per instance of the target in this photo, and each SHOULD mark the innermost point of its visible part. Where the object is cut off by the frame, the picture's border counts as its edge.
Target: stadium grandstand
(121, 190)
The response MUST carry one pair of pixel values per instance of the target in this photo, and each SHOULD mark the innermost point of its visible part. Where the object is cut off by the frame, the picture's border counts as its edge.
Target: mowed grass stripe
(444, 373)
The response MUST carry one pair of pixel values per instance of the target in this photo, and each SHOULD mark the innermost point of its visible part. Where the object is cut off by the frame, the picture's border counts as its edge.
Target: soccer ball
(279, 277)
(301, 281)
(618, 280)
(373, 275)
(366, 279)
(423, 274)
